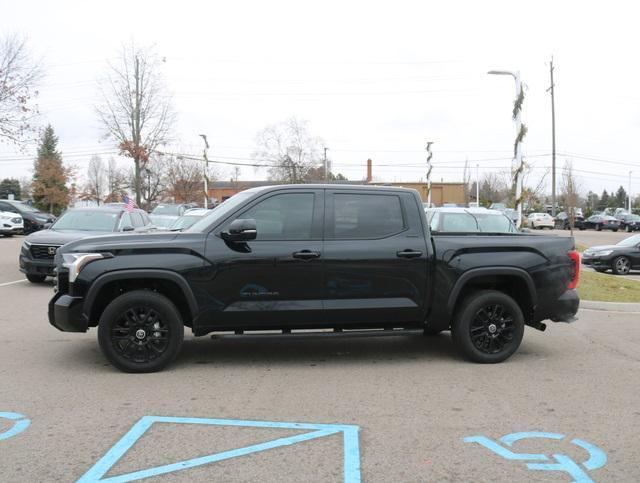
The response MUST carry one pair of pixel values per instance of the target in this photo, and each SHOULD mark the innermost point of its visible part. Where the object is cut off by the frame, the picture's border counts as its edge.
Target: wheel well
(113, 289)
(512, 285)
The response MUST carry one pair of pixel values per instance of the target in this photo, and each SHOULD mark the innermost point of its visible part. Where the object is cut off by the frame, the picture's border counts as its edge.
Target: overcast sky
(374, 79)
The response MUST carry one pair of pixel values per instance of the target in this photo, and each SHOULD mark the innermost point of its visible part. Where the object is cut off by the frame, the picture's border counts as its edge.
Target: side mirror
(241, 230)
(128, 228)
(48, 225)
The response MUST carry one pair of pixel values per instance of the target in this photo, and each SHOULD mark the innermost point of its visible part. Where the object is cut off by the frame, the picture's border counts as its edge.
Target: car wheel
(601, 270)
(615, 230)
(488, 327)
(36, 278)
(8, 235)
(598, 227)
(140, 331)
(628, 229)
(621, 266)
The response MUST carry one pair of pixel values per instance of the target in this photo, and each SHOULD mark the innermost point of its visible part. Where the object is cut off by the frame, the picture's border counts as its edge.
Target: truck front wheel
(488, 327)
(140, 331)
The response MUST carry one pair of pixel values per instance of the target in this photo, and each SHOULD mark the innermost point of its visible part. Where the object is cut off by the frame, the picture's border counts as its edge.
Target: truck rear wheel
(488, 327)
(140, 331)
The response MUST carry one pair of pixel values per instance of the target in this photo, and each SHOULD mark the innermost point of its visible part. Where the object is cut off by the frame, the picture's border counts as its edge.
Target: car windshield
(171, 210)
(87, 221)
(475, 223)
(629, 242)
(184, 222)
(222, 210)
(25, 207)
(631, 218)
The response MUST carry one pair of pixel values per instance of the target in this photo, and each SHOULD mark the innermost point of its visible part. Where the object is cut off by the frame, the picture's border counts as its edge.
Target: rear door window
(366, 216)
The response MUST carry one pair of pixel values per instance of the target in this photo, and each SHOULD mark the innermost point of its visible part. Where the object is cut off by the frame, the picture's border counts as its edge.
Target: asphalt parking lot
(379, 408)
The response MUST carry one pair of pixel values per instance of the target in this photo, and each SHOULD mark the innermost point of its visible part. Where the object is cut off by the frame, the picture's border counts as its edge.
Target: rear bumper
(65, 313)
(566, 307)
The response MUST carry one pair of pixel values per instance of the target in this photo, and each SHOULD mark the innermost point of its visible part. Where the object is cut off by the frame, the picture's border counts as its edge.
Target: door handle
(306, 254)
(409, 254)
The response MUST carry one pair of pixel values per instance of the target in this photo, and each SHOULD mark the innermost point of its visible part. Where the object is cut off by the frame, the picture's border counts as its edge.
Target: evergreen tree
(621, 197)
(50, 177)
(604, 201)
(10, 186)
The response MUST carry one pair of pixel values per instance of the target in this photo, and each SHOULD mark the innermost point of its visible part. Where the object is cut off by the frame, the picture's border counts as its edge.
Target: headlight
(26, 245)
(75, 262)
(602, 253)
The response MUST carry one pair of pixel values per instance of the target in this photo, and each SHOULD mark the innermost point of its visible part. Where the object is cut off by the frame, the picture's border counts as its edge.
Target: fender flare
(468, 276)
(129, 274)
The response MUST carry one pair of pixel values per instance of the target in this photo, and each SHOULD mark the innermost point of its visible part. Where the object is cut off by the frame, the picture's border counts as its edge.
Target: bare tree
(570, 189)
(153, 181)
(184, 180)
(96, 184)
(116, 180)
(290, 149)
(135, 109)
(19, 74)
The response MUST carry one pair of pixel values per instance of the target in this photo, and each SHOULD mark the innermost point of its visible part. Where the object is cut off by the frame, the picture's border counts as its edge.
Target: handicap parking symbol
(597, 458)
(20, 424)
(351, 452)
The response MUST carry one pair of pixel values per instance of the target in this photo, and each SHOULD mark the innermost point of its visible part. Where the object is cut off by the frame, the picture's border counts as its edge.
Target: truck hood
(119, 241)
(55, 237)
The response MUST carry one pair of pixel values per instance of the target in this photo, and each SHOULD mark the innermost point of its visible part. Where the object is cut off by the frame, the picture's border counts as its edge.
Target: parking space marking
(351, 452)
(14, 282)
(597, 457)
(21, 423)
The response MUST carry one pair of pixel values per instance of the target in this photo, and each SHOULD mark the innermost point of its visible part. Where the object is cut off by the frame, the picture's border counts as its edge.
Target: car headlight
(75, 262)
(602, 253)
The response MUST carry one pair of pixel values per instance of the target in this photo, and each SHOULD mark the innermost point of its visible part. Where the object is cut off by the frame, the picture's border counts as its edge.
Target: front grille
(44, 252)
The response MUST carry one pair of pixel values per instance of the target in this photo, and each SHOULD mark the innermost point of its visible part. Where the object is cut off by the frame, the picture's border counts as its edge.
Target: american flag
(128, 203)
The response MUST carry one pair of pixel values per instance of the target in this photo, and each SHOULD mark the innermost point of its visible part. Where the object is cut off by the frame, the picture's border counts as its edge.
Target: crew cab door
(375, 257)
(276, 279)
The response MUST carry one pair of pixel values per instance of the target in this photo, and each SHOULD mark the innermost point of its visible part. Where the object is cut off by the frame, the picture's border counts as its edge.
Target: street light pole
(520, 133)
(478, 184)
(206, 171)
(429, 168)
(326, 175)
(629, 191)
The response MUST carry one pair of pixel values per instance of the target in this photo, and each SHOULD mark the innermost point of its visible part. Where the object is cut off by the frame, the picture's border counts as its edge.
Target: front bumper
(596, 262)
(32, 266)
(566, 307)
(65, 313)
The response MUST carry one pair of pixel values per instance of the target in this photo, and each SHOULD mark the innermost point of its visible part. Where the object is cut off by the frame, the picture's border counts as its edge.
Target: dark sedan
(33, 218)
(38, 249)
(629, 222)
(563, 221)
(602, 222)
(619, 258)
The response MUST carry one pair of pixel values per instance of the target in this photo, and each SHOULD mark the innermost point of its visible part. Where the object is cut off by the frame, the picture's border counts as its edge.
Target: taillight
(575, 257)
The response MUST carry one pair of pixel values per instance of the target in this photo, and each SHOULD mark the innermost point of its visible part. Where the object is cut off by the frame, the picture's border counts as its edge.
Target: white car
(10, 223)
(540, 221)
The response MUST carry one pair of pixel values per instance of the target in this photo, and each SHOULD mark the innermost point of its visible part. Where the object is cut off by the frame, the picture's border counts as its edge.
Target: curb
(610, 306)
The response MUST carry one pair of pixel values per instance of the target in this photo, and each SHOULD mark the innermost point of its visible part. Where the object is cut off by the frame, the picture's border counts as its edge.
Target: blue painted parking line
(21, 423)
(351, 452)
(597, 457)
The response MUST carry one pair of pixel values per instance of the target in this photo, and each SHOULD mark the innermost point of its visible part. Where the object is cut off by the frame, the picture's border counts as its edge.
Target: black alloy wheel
(140, 331)
(34, 278)
(621, 266)
(488, 327)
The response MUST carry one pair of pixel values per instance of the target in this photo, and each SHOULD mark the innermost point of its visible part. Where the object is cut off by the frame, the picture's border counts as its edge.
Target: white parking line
(11, 283)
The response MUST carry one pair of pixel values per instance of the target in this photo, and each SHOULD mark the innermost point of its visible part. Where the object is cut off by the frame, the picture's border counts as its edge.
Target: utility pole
(326, 175)
(136, 131)
(629, 192)
(553, 142)
(429, 168)
(478, 184)
(206, 171)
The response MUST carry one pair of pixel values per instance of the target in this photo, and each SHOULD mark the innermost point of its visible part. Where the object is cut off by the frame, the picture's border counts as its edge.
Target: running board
(302, 333)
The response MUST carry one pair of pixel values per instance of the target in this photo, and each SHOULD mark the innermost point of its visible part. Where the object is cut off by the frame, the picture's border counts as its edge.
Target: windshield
(222, 210)
(629, 242)
(172, 210)
(184, 222)
(25, 207)
(87, 221)
(473, 223)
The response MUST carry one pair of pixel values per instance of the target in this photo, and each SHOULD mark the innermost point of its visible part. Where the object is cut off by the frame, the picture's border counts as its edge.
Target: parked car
(10, 223)
(619, 258)
(602, 222)
(629, 222)
(189, 218)
(469, 220)
(165, 215)
(33, 219)
(498, 206)
(539, 221)
(39, 248)
(563, 221)
(312, 257)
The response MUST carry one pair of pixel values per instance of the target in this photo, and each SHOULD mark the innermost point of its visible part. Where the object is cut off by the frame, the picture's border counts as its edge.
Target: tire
(125, 325)
(493, 343)
(628, 229)
(621, 266)
(601, 270)
(36, 278)
(598, 227)
(8, 235)
(615, 230)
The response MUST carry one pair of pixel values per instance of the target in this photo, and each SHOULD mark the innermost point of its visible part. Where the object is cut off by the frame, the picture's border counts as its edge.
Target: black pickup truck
(312, 257)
